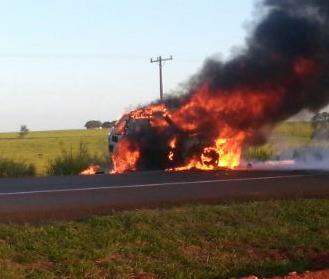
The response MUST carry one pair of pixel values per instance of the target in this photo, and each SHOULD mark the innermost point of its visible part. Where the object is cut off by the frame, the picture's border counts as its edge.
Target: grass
(10, 168)
(286, 136)
(39, 148)
(196, 241)
(72, 163)
(295, 129)
(259, 153)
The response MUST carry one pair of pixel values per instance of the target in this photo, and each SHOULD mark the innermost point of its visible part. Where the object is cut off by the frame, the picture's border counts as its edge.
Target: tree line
(96, 124)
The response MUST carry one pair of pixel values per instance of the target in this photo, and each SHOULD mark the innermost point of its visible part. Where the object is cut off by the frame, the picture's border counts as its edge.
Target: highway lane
(70, 197)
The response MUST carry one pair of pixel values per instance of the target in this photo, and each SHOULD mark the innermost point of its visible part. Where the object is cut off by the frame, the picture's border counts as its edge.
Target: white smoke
(305, 158)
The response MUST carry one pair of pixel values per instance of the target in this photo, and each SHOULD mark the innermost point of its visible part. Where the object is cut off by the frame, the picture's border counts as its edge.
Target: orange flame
(91, 170)
(221, 108)
(125, 157)
(172, 143)
(156, 114)
(232, 116)
(171, 156)
(304, 67)
(225, 153)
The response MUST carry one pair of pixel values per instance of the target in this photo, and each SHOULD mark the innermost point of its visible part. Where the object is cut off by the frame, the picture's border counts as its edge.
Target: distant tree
(93, 124)
(23, 131)
(320, 117)
(108, 124)
(320, 124)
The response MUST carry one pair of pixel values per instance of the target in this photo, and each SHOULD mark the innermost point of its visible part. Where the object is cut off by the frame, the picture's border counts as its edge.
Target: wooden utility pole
(159, 60)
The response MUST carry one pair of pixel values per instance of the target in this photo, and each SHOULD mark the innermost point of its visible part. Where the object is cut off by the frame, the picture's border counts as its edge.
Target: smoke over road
(283, 69)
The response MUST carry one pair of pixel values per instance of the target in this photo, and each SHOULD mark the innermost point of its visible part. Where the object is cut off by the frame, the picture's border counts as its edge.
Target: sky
(65, 62)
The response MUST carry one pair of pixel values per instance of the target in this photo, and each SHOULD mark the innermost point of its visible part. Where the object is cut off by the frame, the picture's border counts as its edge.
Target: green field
(295, 129)
(196, 241)
(285, 136)
(39, 148)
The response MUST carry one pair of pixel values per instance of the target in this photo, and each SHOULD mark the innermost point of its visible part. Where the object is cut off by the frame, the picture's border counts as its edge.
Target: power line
(71, 56)
(159, 60)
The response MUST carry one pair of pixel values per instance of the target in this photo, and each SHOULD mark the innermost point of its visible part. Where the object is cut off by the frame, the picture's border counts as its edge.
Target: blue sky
(65, 62)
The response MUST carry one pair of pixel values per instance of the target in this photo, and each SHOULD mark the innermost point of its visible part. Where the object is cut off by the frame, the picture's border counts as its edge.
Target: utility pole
(159, 60)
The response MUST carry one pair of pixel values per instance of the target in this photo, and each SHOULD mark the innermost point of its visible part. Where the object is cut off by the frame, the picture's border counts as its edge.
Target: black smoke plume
(291, 30)
(287, 51)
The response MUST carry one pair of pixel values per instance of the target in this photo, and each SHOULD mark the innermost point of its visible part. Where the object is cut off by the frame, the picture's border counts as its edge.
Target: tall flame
(126, 156)
(227, 119)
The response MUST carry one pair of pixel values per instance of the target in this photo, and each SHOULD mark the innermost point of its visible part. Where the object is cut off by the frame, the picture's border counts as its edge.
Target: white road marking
(150, 185)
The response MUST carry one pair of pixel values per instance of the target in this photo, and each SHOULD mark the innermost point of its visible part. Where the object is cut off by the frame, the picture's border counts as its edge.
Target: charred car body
(152, 130)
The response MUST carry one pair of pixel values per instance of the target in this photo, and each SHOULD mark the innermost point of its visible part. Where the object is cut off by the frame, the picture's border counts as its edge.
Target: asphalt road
(32, 199)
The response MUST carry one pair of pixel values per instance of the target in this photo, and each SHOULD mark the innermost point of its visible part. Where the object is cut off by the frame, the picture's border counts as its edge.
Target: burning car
(154, 138)
(116, 134)
(131, 123)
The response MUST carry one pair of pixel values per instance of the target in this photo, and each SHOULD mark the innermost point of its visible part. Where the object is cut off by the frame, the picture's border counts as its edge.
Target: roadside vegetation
(10, 168)
(295, 129)
(259, 153)
(59, 152)
(73, 162)
(285, 137)
(40, 148)
(196, 241)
